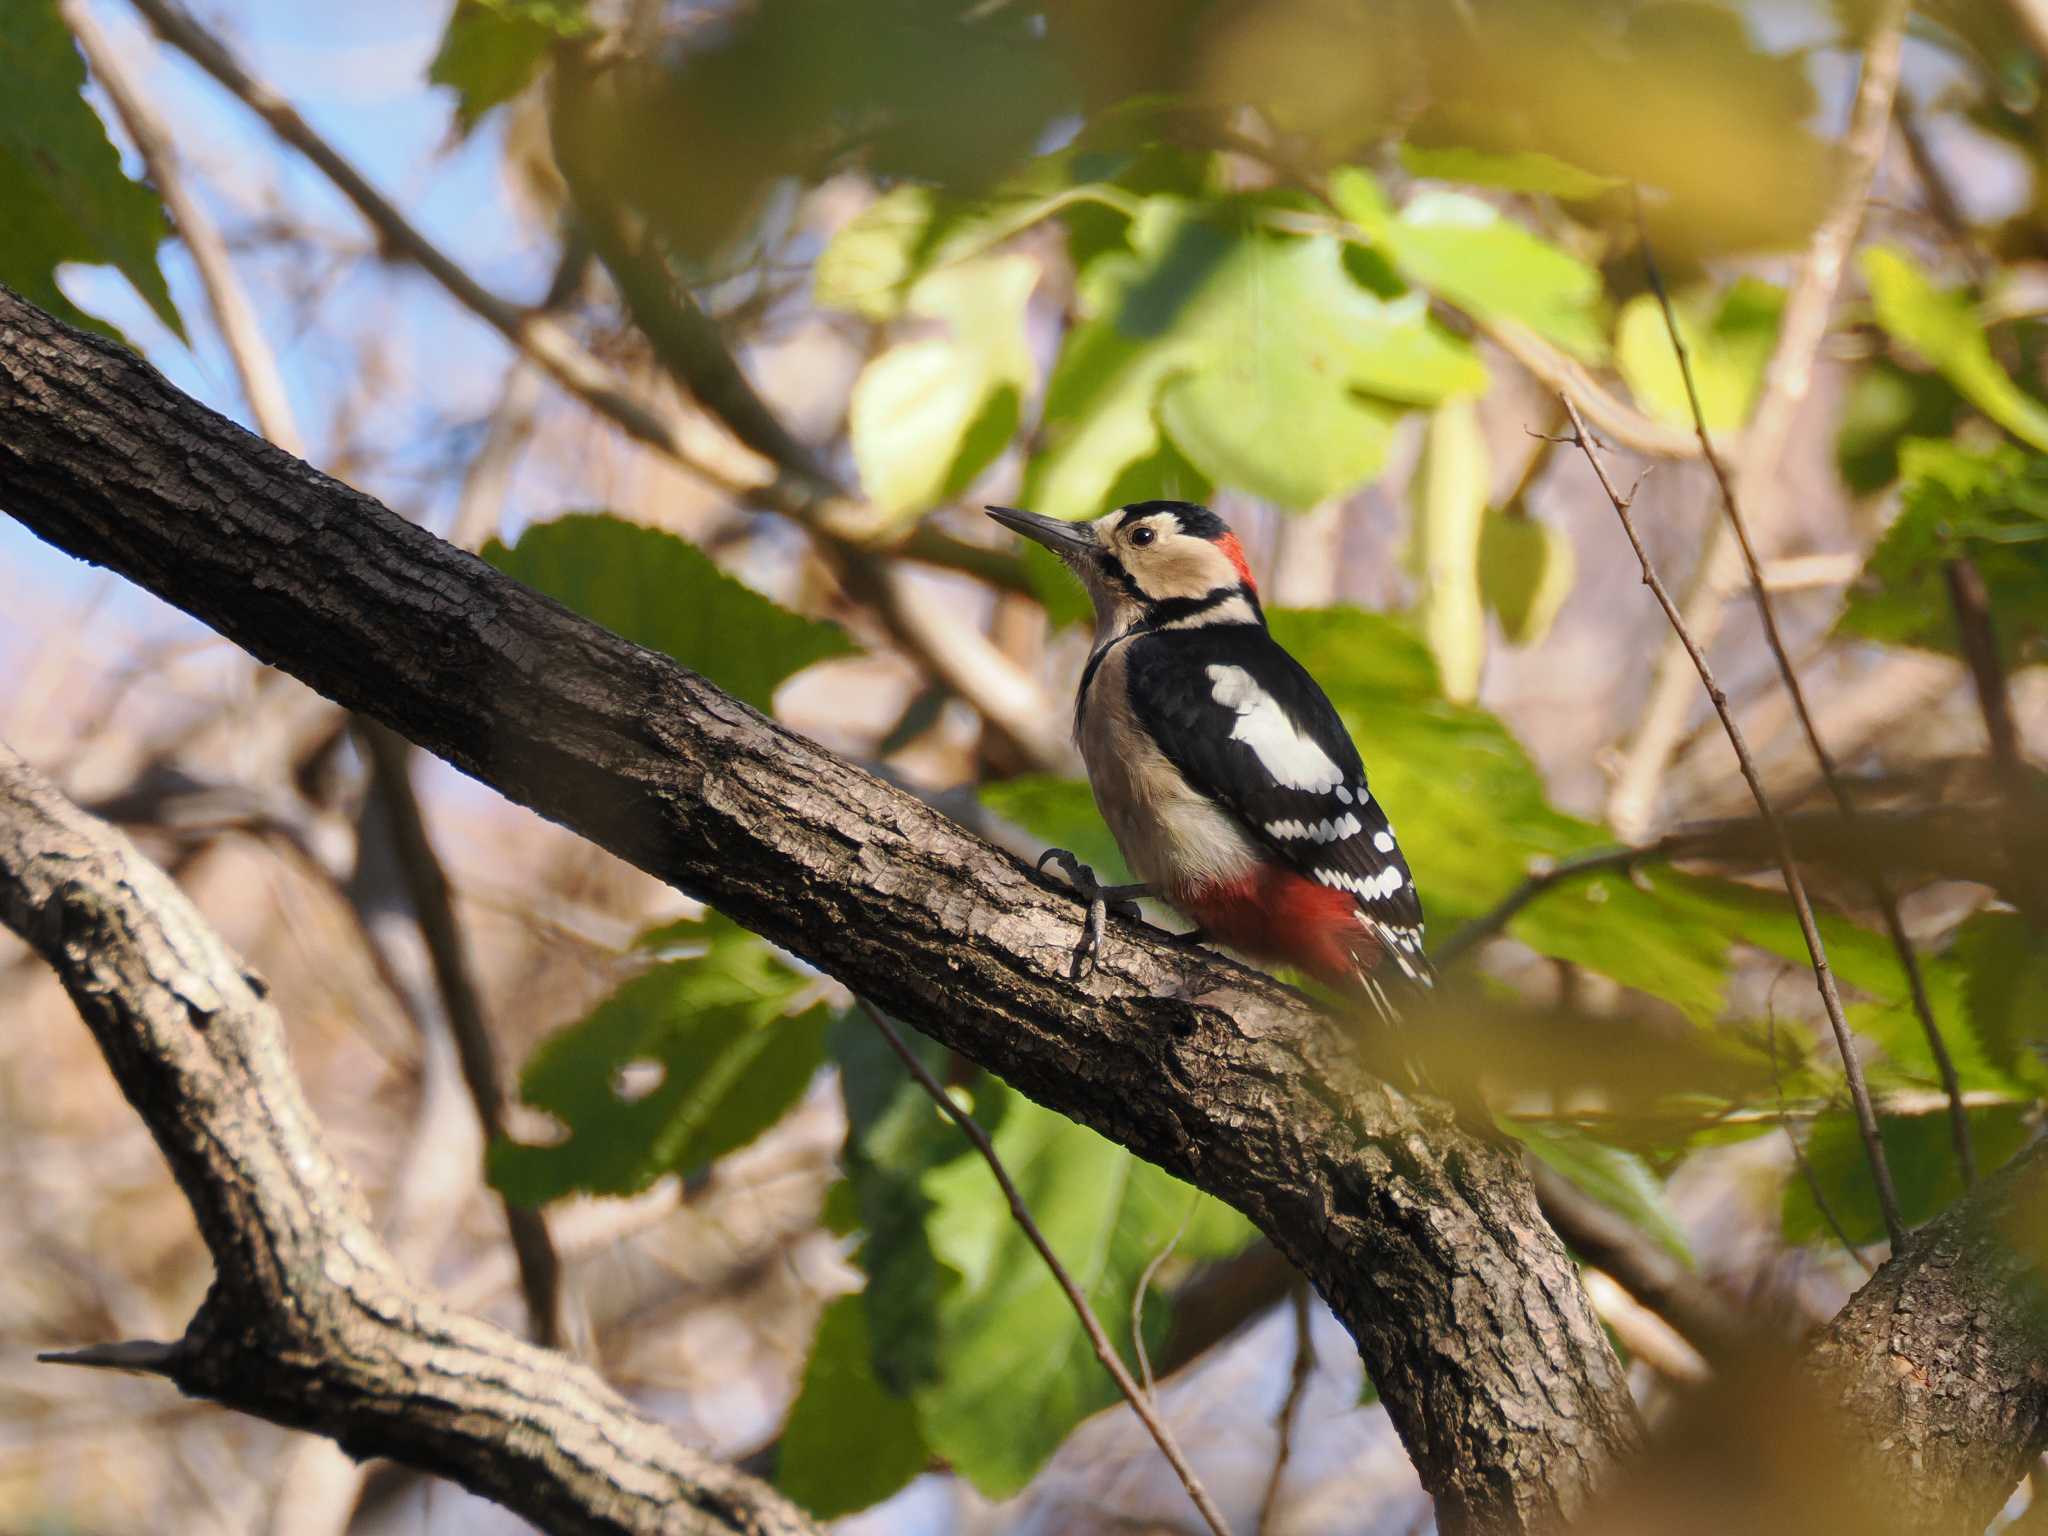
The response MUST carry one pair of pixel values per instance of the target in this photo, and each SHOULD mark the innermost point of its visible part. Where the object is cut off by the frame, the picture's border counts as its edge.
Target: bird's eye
(1143, 536)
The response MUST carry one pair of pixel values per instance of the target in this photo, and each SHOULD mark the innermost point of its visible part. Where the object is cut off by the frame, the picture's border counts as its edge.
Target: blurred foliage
(668, 595)
(1942, 327)
(61, 183)
(1921, 1154)
(493, 50)
(1728, 340)
(1989, 505)
(720, 1036)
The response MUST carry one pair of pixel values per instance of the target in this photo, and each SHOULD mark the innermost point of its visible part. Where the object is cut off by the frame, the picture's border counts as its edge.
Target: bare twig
(255, 363)
(1795, 887)
(1787, 382)
(1144, 1289)
(1971, 603)
(540, 1270)
(1297, 1387)
(1880, 884)
(1820, 1199)
(1140, 1403)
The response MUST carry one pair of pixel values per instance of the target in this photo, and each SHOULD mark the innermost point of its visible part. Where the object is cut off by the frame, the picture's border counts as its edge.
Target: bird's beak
(1067, 540)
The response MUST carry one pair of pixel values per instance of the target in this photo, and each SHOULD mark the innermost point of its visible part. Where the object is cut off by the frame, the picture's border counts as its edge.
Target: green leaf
(929, 416)
(1729, 345)
(1887, 405)
(730, 1056)
(1942, 326)
(1612, 1175)
(1922, 1159)
(661, 592)
(849, 1441)
(1449, 490)
(1260, 359)
(963, 1313)
(1017, 1372)
(1526, 572)
(1988, 504)
(1062, 813)
(492, 50)
(1529, 171)
(2005, 959)
(61, 186)
(1464, 250)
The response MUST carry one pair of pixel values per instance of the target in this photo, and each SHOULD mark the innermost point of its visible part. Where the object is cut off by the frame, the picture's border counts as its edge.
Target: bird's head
(1157, 563)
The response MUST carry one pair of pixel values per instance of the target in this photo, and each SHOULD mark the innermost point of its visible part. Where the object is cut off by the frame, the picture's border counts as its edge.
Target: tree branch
(310, 1322)
(1427, 1243)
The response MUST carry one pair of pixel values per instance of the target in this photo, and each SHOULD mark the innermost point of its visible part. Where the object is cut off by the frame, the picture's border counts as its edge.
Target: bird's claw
(1102, 900)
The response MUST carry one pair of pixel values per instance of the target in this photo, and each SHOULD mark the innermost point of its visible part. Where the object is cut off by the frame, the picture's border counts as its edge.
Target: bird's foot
(1102, 900)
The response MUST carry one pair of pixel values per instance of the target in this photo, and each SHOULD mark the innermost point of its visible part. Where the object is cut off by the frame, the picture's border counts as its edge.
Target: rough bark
(1426, 1242)
(309, 1321)
(1941, 1360)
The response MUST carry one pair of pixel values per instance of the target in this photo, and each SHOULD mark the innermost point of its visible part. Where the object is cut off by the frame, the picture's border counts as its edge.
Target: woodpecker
(1222, 769)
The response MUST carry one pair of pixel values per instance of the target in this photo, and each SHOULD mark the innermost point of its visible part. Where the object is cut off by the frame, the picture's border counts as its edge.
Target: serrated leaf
(1529, 171)
(1922, 1159)
(2005, 962)
(1614, 1176)
(1254, 353)
(1988, 504)
(1729, 344)
(664, 593)
(1449, 491)
(1526, 571)
(61, 185)
(928, 416)
(1942, 326)
(849, 1442)
(1466, 251)
(492, 49)
(730, 1057)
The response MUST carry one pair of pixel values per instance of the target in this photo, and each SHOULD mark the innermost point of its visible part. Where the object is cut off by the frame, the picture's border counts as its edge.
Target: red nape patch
(1234, 551)
(1275, 914)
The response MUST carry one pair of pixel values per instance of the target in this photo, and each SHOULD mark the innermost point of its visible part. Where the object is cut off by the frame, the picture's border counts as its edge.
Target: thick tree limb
(310, 1322)
(1938, 1359)
(1425, 1242)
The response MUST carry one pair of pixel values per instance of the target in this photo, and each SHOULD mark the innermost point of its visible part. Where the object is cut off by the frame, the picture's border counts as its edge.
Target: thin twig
(1879, 885)
(255, 363)
(1145, 1289)
(540, 1269)
(1787, 381)
(1297, 1388)
(1971, 603)
(1104, 1350)
(1795, 887)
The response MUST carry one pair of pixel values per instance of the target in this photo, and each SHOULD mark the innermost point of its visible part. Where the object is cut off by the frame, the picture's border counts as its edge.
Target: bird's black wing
(1247, 726)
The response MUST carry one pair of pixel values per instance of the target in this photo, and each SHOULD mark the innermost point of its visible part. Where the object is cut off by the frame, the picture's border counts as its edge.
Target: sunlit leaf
(62, 190)
(1527, 171)
(492, 49)
(1942, 326)
(849, 1441)
(1728, 343)
(1526, 571)
(1449, 491)
(1616, 1178)
(683, 1064)
(666, 594)
(1988, 504)
(1464, 250)
(928, 416)
(1263, 362)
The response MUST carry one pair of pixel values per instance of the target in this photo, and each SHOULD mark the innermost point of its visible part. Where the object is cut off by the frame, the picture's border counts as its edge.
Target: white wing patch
(1294, 760)
(1384, 841)
(1372, 887)
(1336, 831)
